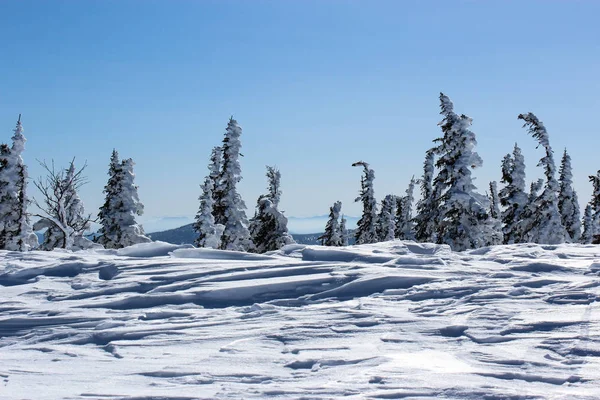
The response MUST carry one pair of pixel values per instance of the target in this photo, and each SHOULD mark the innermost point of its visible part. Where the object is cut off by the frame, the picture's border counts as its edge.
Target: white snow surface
(383, 321)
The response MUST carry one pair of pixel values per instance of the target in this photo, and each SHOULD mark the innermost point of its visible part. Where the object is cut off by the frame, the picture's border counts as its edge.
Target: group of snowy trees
(61, 214)
(452, 212)
(221, 221)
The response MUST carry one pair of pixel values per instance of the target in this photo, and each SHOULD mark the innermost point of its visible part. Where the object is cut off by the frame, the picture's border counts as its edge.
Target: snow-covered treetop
(18, 139)
(456, 149)
(536, 128)
(566, 170)
(231, 150)
(274, 177)
(215, 163)
(446, 104)
(518, 170)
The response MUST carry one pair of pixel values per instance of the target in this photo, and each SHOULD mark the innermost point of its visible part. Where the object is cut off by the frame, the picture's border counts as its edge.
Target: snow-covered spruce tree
(209, 233)
(16, 232)
(268, 227)
(214, 168)
(117, 215)
(110, 229)
(343, 231)
(63, 215)
(274, 178)
(333, 232)
(494, 200)
(527, 222)
(568, 203)
(366, 230)
(5, 196)
(547, 227)
(405, 223)
(495, 222)
(588, 225)
(464, 218)
(229, 207)
(513, 196)
(386, 219)
(425, 220)
(595, 205)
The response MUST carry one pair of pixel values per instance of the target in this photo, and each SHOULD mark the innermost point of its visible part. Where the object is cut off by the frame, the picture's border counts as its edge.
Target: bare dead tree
(61, 210)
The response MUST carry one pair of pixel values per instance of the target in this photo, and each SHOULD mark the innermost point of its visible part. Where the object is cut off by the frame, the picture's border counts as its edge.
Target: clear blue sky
(315, 85)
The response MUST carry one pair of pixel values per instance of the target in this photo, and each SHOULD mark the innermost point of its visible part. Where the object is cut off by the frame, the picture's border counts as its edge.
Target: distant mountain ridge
(185, 235)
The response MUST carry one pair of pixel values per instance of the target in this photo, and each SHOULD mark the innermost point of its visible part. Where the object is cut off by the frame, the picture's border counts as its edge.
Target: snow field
(388, 320)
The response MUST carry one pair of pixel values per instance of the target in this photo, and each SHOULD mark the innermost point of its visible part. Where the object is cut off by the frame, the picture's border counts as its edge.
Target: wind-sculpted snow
(384, 321)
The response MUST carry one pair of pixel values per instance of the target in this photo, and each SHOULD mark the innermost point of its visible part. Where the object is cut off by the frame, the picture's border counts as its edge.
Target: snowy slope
(392, 320)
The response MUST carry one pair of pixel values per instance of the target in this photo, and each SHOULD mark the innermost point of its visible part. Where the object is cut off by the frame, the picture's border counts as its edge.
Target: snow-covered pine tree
(513, 196)
(214, 168)
(229, 208)
(595, 205)
(568, 203)
(464, 218)
(425, 220)
(494, 200)
(386, 219)
(110, 229)
(588, 225)
(343, 231)
(131, 232)
(332, 235)
(268, 228)
(208, 233)
(274, 178)
(547, 227)
(16, 232)
(526, 223)
(6, 197)
(494, 221)
(366, 230)
(405, 223)
(63, 212)
(117, 215)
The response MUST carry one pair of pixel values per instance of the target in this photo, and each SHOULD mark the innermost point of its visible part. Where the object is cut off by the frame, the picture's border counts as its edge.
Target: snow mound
(152, 249)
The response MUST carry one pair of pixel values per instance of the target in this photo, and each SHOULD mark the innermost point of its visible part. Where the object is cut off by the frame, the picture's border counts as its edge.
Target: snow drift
(388, 320)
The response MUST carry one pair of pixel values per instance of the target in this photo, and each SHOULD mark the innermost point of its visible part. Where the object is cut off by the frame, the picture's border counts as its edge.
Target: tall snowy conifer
(386, 218)
(527, 222)
(494, 221)
(425, 220)
(214, 168)
(16, 232)
(343, 231)
(332, 235)
(594, 231)
(568, 203)
(209, 233)
(110, 229)
(229, 208)
(366, 230)
(268, 227)
(547, 227)
(513, 196)
(117, 215)
(464, 218)
(588, 225)
(405, 223)
(494, 200)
